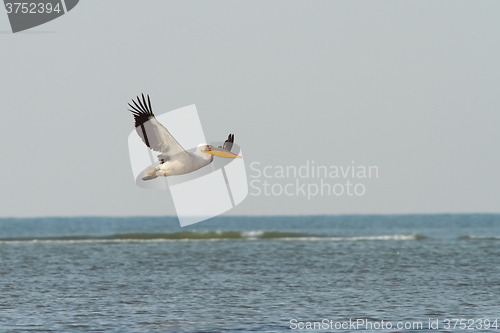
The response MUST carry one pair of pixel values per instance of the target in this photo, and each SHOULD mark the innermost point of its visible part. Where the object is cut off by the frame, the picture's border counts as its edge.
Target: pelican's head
(209, 149)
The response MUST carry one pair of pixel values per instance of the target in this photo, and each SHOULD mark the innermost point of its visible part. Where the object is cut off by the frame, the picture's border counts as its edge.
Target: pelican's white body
(182, 163)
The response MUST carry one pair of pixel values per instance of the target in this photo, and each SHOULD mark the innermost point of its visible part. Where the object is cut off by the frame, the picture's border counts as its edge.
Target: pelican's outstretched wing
(151, 131)
(228, 144)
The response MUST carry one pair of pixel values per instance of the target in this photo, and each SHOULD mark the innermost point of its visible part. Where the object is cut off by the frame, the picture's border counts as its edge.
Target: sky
(410, 87)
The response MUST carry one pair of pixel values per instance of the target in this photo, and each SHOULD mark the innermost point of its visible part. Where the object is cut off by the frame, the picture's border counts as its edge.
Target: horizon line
(244, 216)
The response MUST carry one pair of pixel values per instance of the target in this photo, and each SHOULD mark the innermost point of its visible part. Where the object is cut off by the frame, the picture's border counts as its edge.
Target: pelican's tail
(150, 173)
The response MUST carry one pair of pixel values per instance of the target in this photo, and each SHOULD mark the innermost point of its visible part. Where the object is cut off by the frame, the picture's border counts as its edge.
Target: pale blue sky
(408, 86)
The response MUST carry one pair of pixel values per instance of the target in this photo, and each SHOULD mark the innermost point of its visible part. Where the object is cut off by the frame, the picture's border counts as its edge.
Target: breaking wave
(208, 236)
(476, 237)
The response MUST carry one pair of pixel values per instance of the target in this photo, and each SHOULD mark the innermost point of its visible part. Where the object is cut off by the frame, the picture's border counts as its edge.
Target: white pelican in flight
(174, 160)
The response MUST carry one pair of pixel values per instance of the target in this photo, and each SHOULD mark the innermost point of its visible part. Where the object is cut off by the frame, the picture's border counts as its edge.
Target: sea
(380, 273)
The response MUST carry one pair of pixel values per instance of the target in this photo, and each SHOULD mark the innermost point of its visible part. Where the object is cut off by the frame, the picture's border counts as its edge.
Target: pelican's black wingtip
(228, 144)
(141, 110)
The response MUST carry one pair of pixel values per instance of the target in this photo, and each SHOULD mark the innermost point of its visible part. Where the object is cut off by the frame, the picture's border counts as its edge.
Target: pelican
(174, 160)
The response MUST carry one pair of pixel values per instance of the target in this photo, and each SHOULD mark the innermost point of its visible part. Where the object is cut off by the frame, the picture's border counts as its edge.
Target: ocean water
(251, 274)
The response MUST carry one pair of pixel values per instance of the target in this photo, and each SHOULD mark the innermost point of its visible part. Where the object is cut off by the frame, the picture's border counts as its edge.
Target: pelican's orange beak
(221, 152)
